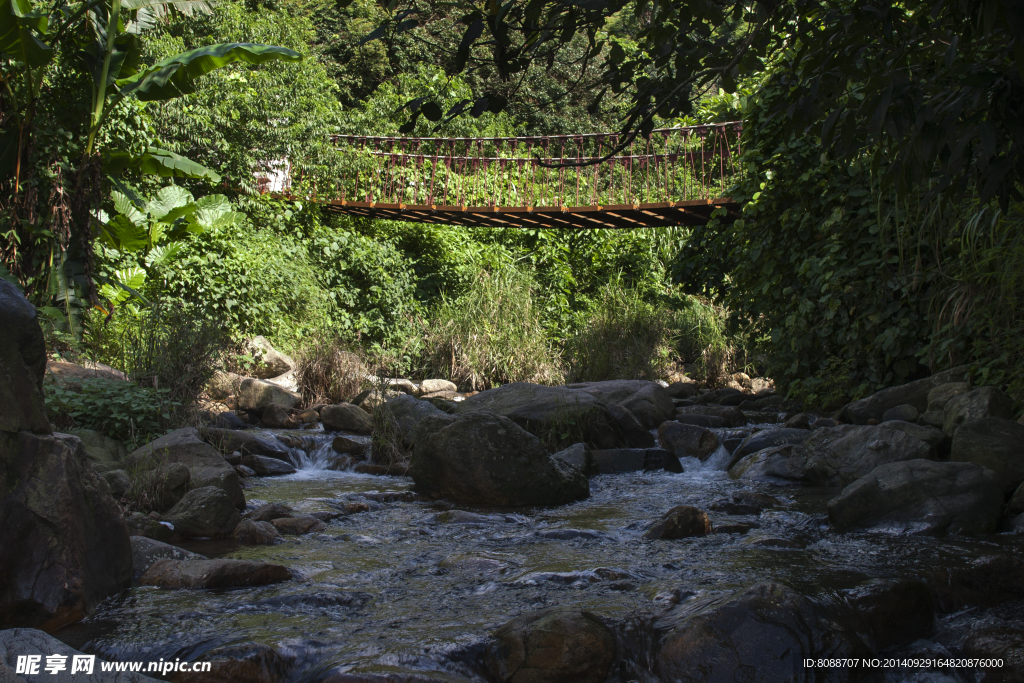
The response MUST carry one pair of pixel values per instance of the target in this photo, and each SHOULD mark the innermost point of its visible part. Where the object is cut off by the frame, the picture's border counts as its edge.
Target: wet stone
(296, 526)
(682, 521)
(575, 534)
(268, 512)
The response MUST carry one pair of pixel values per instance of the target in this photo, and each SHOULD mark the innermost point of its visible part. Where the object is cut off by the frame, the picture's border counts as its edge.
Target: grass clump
(328, 371)
(491, 334)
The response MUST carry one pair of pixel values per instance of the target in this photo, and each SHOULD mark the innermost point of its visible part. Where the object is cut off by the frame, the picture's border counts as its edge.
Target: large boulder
(761, 635)
(547, 412)
(29, 642)
(771, 464)
(936, 439)
(913, 393)
(146, 552)
(488, 459)
(249, 532)
(247, 443)
(408, 412)
(162, 487)
(729, 416)
(213, 574)
(560, 645)
(256, 394)
(269, 361)
(648, 401)
(769, 438)
(22, 364)
(64, 545)
(687, 441)
(267, 467)
(975, 405)
(223, 384)
(104, 452)
(207, 512)
(578, 456)
(836, 456)
(185, 446)
(941, 395)
(993, 443)
(921, 497)
(345, 417)
(633, 431)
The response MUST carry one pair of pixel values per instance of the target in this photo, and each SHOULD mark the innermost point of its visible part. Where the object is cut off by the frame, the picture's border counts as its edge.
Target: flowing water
(400, 586)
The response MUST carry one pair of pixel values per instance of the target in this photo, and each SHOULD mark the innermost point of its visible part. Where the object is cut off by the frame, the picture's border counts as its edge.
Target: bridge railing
(672, 165)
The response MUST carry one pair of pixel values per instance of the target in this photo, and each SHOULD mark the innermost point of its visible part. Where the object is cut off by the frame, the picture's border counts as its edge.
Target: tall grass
(700, 337)
(625, 337)
(328, 371)
(491, 334)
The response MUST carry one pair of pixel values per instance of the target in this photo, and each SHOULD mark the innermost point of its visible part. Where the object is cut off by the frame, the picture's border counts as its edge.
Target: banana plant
(153, 234)
(104, 35)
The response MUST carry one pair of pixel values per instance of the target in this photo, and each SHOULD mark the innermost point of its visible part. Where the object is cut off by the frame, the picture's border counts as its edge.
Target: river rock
(761, 635)
(345, 417)
(484, 458)
(548, 412)
(64, 545)
(268, 512)
(580, 457)
(148, 527)
(985, 582)
(185, 446)
(682, 389)
(771, 464)
(560, 645)
(432, 386)
(343, 444)
(29, 642)
(921, 497)
(162, 487)
(616, 460)
(297, 526)
(632, 431)
(730, 416)
(892, 612)
(1004, 643)
(222, 385)
(682, 521)
(975, 405)
(648, 401)
(936, 439)
(408, 413)
(146, 552)
(247, 443)
(207, 511)
(769, 438)
(213, 574)
(798, 421)
(256, 394)
(940, 395)
(23, 362)
(687, 441)
(839, 455)
(913, 393)
(227, 420)
(993, 443)
(267, 467)
(104, 452)
(903, 413)
(249, 532)
(277, 417)
(270, 361)
(118, 482)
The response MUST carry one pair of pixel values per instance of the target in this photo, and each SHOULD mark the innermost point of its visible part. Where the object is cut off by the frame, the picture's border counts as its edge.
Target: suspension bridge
(674, 177)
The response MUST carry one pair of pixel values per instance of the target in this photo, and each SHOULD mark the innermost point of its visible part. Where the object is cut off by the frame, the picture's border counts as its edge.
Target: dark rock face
(730, 416)
(685, 440)
(922, 497)
(840, 455)
(276, 417)
(267, 467)
(1002, 643)
(213, 574)
(682, 521)
(769, 438)
(22, 364)
(648, 401)
(759, 636)
(268, 512)
(408, 413)
(936, 439)
(484, 458)
(206, 511)
(64, 545)
(542, 410)
(976, 405)
(985, 582)
(903, 413)
(616, 460)
(17, 642)
(913, 393)
(993, 443)
(682, 389)
(554, 646)
(296, 526)
(633, 432)
(146, 552)
(185, 446)
(580, 457)
(771, 464)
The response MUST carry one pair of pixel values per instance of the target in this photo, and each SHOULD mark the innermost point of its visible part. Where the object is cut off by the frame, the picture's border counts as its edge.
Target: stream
(409, 583)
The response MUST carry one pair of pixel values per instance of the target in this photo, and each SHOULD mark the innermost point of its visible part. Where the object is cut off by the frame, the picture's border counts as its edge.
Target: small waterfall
(719, 459)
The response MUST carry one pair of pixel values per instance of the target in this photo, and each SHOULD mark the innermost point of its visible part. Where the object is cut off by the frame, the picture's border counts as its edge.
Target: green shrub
(625, 337)
(121, 410)
(490, 335)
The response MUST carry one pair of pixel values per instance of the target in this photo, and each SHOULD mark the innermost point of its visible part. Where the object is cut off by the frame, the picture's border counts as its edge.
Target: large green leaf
(19, 24)
(171, 203)
(158, 162)
(176, 76)
(126, 207)
(124, 235)
(125, 282)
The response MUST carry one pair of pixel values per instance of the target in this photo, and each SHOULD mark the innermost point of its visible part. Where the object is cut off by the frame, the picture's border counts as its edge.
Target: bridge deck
(617, 216)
